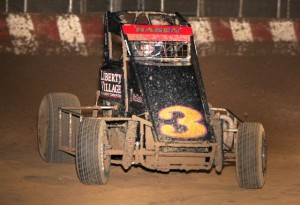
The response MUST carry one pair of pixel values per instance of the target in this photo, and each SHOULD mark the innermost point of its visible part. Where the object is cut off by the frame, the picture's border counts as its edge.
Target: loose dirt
(262, 88)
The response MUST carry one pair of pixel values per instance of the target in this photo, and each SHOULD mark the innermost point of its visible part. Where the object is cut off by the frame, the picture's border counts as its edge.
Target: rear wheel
(251, 156)
(93, 166)
(48, 128)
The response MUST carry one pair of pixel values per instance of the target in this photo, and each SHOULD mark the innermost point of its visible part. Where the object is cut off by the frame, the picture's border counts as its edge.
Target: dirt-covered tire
(219, 155)
(251, 156)
(93, 167)
(48, 118)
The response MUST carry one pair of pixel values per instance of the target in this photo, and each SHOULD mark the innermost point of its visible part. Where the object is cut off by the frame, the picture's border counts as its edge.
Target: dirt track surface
(263, 89)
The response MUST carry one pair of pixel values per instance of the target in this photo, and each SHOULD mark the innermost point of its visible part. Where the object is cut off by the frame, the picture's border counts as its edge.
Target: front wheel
(93, 166)
(251, 156)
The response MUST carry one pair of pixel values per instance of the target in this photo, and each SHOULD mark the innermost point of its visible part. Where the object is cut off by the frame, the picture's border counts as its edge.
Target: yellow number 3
(189, 118)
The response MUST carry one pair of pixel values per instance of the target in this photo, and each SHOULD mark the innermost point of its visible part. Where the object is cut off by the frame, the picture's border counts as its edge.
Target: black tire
(48, 128)
(92, 166)
(251, 156)
(219, 155)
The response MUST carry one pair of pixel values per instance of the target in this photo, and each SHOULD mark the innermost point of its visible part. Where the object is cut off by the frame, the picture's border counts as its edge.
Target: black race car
(151, 109)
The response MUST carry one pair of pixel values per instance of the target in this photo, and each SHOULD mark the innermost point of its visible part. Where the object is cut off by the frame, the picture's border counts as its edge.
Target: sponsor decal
(135, 97)
(150, 29)
(157, 33)
(111, 84)
(156, 30)
(181, 122)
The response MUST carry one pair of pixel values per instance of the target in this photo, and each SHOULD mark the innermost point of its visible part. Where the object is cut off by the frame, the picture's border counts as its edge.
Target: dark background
(209, 8)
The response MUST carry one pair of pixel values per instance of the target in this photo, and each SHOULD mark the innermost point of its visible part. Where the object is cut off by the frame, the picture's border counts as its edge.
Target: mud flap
(129, 144)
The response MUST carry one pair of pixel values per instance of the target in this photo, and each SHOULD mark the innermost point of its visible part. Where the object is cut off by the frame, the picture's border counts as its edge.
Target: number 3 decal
(187, 124)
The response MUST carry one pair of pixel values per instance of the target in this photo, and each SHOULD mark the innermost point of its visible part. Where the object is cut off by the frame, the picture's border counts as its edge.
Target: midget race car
(151, 109)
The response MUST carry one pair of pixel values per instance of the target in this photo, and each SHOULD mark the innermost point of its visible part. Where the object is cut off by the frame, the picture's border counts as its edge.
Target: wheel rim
(264, 156)
(105, 144)
(104, 160)
(43, 122)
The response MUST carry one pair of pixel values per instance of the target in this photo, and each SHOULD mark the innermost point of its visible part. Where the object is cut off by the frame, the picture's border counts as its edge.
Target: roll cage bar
(115, 23)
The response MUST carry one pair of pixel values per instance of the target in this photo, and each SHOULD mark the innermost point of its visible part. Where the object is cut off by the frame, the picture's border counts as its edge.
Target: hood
(173, 98)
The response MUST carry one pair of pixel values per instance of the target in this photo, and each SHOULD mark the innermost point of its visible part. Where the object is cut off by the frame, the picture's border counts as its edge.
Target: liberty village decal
(111, 84)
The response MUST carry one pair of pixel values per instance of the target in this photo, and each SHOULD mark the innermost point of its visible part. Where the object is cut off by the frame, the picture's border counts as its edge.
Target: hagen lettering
(156, 30)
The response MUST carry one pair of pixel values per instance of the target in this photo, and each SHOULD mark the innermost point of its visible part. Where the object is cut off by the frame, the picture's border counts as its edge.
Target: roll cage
(150, 37)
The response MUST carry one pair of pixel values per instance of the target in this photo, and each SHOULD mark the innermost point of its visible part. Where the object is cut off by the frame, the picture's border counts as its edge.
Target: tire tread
(248, 162)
